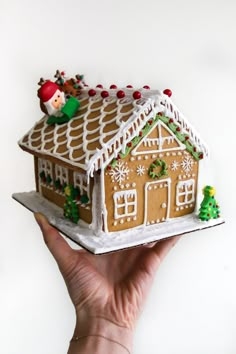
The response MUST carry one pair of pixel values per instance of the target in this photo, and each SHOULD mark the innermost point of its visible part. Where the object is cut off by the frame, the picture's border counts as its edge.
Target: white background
(188, 46)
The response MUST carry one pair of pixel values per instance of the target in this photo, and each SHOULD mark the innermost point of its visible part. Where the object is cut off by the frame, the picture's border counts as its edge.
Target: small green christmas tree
(70, 207)
(209, 208)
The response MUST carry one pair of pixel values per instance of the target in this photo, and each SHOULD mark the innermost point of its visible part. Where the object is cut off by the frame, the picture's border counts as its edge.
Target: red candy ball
(104, 94)
(146, 87)
(137, 95)
(168, 92)
(92, 92)
(99, 86)
(113, 87)
(120, 94)
(129, 86)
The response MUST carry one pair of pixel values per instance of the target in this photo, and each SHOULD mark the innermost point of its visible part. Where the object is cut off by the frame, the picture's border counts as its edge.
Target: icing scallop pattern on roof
(103, 127)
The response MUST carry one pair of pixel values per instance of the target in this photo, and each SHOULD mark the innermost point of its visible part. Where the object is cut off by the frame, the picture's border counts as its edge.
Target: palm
(113, 286)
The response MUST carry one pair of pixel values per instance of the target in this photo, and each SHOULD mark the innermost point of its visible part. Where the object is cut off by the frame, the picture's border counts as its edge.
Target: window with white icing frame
(61, 174)
(125, 203)
(185, 192)
(46, 167)
(80, 181)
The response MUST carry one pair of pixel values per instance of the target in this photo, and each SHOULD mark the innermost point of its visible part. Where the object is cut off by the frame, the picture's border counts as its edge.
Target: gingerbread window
(61, 174)
(45, 172)
(185, 192)
(125, 203)
(80, 181)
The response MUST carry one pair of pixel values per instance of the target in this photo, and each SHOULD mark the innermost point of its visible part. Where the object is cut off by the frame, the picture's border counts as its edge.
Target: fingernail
(41, 219)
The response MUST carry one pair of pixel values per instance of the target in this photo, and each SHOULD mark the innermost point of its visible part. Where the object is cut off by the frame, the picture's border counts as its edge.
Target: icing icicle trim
(183, 138)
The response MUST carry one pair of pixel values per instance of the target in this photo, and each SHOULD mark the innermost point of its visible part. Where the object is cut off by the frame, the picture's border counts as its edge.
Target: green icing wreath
(154, 165)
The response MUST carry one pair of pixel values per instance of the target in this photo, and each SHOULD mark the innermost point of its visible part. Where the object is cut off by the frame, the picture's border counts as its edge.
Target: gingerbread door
(157, 201)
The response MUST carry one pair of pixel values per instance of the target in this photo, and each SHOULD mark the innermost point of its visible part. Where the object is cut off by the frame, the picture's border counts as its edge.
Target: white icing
(187, 164)
(186, 189)
(86, 237)
(152, 102)
(156, 144)
(122, 202)
(174, 165)
(102, 206)
(120, 172)
(140, 170)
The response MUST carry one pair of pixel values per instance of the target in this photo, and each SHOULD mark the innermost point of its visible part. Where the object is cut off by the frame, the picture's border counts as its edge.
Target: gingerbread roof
(103, 127)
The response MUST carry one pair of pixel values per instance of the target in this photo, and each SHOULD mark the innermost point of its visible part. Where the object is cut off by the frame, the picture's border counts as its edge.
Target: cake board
(103, 243)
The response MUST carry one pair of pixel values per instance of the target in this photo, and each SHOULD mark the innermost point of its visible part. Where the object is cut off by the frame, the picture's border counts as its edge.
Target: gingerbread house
(130, 156)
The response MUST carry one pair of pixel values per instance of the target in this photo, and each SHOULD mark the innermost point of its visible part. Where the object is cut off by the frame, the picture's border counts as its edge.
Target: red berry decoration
(92, 92)
(150, 122)
(201, 156)
(171, 120)
(104, 94)
(146, 87)
(168, 92)
(137, 95)
(113, 86)
(129, 144)
(129, 86)
(99, 86)
(140, 134)
(120, 94)
(160, 113)
(178, 129)
(187, 138)
(194, 149)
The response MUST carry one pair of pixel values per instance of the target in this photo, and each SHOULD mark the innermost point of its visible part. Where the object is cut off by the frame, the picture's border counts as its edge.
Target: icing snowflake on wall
(140, 170)
(187, 164)
(174, 165)
(120, 172)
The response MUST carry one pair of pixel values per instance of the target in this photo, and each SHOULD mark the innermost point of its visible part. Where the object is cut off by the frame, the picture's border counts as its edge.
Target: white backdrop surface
(188, 46)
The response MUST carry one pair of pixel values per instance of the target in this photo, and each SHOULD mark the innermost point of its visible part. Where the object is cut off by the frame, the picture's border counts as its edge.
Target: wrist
(100, 335)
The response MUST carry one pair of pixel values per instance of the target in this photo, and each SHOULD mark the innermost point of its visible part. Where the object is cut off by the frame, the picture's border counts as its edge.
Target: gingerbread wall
(57, 196)
(156, 201)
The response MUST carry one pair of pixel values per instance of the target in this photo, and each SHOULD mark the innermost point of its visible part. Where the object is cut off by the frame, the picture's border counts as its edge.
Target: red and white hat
(47, 91)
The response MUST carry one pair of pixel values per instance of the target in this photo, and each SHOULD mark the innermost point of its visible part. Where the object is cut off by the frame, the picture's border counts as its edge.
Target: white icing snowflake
(187, 164)
(174, 165)
(120, 172)
(140, 170)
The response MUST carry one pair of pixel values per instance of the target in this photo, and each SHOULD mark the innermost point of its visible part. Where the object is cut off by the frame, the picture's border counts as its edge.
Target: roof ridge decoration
(128, 115)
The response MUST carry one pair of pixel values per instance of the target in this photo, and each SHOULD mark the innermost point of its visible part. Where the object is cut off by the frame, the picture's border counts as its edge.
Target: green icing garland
(183, 138)
(154, 165)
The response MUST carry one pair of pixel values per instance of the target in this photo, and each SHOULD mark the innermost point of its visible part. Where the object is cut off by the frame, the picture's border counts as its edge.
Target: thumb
(56, 244)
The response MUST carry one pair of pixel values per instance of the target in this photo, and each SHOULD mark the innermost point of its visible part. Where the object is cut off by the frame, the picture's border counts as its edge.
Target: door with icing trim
(157, 201)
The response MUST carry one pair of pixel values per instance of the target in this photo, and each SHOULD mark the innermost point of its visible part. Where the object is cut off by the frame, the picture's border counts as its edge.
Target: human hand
(108, 291)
